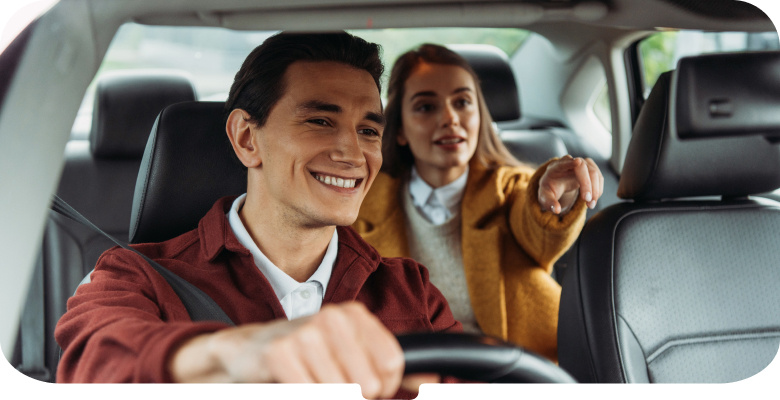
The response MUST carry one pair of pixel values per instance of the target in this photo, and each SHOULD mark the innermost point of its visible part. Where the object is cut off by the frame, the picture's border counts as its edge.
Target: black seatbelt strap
(33, 329)
(199, 305)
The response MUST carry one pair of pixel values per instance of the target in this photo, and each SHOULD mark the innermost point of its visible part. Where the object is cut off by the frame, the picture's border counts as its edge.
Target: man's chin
(336, 220)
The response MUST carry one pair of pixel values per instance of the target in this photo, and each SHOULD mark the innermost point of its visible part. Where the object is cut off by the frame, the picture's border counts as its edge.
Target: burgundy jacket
(125, 323)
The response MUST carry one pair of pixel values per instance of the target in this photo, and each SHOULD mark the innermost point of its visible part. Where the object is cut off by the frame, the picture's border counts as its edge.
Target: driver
(312, 301)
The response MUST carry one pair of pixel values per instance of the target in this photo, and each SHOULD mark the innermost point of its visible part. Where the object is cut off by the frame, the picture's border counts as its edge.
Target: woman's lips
(449, 142)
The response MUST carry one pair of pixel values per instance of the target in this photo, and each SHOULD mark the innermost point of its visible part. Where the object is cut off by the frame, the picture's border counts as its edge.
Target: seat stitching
(711, 339)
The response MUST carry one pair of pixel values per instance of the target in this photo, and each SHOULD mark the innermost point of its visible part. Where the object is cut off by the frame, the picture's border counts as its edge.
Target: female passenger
(451, 196)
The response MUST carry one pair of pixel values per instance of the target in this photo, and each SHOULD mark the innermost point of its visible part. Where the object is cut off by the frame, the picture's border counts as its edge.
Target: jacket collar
(214, 231)
(356, 258)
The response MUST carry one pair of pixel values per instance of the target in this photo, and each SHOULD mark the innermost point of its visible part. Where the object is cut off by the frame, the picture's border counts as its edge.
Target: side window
(660, 52)
(602, 108)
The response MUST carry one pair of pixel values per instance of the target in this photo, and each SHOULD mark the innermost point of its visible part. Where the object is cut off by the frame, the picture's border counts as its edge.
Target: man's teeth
(332, 180)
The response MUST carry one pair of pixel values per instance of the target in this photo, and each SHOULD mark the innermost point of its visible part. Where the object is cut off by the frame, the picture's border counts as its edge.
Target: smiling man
(311, 300)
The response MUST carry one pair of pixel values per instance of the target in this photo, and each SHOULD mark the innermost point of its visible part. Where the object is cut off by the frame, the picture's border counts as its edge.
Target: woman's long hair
(397, 159)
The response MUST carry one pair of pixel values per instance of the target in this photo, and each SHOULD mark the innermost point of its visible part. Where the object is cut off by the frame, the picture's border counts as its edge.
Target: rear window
(660, 52)
(212, 56)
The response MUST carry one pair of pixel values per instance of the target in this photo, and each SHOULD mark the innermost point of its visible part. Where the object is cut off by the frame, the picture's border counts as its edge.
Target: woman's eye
(424, 108)
(462, 102)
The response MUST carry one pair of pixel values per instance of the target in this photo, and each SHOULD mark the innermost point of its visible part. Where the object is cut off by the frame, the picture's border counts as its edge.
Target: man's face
(321, 146)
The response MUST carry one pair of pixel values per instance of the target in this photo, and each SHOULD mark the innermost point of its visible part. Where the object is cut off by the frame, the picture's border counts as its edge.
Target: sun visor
(724, 95)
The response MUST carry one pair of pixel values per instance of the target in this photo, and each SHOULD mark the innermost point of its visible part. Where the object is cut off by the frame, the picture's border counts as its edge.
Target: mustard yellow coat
(509, 247)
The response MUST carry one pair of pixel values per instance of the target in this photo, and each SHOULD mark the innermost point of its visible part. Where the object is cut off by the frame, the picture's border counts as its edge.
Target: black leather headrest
(188, 164)
(126, 104)
(661, 165)
(497, 80)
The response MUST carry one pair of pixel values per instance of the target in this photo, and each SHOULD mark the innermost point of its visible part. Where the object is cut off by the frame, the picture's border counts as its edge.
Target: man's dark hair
(259, 84)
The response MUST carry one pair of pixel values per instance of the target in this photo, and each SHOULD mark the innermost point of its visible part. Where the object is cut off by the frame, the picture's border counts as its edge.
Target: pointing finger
(583, 178)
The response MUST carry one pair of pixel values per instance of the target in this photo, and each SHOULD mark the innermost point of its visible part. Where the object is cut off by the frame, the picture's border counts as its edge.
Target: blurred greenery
(657, 52)
(395, 42)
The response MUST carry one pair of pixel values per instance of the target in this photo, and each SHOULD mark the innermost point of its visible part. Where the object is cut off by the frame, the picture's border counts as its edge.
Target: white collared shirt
(298, 299)
(440, 204)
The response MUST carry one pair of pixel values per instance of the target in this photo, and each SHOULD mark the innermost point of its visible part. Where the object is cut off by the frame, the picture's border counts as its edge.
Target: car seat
(189, 160)
(98, 179)
(680, 283)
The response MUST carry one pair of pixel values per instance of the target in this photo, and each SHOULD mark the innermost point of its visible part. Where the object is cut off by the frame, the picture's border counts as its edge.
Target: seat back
(680, 283)
(188, 159)
(98, 179)
(502, 98)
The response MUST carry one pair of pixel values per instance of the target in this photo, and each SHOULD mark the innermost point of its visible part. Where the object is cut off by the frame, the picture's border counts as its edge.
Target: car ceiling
(584, 20)
(354, 14)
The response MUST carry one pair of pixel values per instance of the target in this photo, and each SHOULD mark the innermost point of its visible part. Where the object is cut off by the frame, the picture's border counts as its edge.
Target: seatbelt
(199, 305)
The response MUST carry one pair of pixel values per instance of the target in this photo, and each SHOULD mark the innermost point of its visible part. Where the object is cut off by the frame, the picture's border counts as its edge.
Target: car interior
(674, 277)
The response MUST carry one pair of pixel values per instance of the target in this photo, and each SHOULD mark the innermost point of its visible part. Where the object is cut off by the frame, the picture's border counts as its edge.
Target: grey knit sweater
(437, 247)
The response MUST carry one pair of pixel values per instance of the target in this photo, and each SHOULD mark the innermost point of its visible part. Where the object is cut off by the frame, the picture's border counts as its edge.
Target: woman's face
(440, 121)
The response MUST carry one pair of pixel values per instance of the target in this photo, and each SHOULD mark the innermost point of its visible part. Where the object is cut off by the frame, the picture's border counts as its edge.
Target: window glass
(212, 56)
(601, 108)
(661, 51)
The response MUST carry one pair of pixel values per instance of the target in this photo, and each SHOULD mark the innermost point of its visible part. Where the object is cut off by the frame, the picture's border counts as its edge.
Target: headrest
(187, 165)
(126, 104)
(497, 80)
(708, 129)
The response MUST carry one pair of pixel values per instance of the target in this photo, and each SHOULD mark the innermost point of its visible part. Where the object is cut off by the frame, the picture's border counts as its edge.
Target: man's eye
(369, 132)
(318, 121)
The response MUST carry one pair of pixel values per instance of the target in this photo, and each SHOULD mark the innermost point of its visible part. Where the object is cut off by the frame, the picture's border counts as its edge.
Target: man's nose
(347, 148)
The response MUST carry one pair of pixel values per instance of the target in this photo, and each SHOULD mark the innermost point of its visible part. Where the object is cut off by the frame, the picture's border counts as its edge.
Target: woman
(451, 196)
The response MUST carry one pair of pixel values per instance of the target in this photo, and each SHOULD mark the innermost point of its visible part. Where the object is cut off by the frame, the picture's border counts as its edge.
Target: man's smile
(347, 183)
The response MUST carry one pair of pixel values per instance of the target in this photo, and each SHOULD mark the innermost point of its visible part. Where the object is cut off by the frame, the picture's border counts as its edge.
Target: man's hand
(567, 179)
(342, 343)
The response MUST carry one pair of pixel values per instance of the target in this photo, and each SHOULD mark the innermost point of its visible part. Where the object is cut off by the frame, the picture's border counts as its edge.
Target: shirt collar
(281, 283)
(448, 195)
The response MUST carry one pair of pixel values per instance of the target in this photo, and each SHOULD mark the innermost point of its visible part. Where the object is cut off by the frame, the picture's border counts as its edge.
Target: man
(312, 301)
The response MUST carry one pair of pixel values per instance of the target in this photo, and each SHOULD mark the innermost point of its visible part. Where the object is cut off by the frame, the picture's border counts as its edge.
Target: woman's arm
(549, 211)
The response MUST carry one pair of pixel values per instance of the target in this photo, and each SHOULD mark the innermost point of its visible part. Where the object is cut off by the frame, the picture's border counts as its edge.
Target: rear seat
(98, 180)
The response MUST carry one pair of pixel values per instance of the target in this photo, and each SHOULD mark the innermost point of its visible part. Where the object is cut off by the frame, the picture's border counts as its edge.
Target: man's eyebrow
(317, 105)
(376, 117)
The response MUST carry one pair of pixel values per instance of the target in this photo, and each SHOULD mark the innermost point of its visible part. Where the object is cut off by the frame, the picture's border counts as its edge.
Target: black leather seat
(680, 284)
(98, 179)
(498, 84)
(188, 159)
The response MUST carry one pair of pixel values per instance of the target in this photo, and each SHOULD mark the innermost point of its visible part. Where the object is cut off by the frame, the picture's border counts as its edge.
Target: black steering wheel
(477, 358)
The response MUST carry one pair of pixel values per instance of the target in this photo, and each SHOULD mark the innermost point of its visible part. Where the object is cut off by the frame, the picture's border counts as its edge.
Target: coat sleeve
(124, 325)
(543, 235)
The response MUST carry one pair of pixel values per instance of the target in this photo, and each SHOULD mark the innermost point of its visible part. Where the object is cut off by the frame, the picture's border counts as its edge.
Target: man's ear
(239, 131)
(401, 138)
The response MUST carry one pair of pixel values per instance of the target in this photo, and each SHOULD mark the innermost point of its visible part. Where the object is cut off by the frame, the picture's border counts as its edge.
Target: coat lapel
(381, 220)
(482, 248)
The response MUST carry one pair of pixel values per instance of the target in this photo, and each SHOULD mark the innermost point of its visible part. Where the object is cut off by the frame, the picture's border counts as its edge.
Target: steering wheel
(477, 358)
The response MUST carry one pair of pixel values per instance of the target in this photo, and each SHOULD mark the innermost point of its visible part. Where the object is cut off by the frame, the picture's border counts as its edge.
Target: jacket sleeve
(543, 235)
(124, 325)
